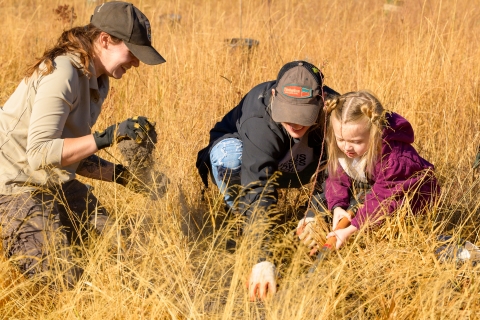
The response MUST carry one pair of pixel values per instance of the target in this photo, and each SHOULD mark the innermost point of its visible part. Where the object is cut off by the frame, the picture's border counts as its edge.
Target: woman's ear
(103, 39)
(273, 92)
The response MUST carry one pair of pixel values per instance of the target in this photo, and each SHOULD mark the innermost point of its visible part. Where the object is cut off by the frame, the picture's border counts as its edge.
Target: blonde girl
(372, 164)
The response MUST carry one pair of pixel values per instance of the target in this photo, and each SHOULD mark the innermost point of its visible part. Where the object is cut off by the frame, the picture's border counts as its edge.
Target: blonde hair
(355, 107)
(78, 40)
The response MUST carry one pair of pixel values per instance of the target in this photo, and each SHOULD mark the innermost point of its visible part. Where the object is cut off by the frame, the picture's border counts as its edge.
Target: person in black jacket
(277, 127)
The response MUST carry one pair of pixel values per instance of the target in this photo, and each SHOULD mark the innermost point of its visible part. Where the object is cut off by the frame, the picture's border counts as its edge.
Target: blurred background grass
(421, 61)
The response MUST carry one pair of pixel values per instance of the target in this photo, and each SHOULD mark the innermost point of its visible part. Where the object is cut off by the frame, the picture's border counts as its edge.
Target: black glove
(154, 188)
(127, 179)
(136, 128)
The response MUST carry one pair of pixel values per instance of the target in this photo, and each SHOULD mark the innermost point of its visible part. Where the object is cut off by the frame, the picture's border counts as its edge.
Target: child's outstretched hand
(342, 235)
(338, 214)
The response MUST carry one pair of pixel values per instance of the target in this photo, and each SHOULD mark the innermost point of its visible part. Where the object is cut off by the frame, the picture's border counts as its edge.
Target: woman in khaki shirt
(46, 139)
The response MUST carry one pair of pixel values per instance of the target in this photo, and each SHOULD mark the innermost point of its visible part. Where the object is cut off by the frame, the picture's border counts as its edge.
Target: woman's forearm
(77, 149)
(96, 168)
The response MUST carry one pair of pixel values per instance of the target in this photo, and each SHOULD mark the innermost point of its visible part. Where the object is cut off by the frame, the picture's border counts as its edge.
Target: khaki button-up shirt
(36, 119)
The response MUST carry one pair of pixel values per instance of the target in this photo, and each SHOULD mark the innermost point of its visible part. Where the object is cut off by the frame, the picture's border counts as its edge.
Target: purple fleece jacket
(399, 170)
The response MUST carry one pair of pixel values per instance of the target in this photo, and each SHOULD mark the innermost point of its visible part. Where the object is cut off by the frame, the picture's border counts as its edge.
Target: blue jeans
(226, 161)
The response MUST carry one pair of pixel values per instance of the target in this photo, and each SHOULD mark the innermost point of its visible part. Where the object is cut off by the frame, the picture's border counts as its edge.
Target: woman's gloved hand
(154, 188)
(262, 281)
(136, 128)
(124, 177)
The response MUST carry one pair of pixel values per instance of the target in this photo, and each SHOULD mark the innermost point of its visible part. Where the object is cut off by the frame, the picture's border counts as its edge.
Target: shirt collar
(94, 82)
(100, 84)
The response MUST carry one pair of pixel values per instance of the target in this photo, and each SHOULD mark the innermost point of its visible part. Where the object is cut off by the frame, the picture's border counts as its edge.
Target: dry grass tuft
(422, 62)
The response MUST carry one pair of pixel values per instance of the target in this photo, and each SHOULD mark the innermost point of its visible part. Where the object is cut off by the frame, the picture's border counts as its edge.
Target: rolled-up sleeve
(54, 101)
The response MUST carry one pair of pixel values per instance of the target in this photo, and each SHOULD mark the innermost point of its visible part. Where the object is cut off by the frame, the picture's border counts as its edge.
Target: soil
(140, 161)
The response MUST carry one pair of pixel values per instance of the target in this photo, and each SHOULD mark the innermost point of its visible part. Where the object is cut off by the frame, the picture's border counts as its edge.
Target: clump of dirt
(140, 162)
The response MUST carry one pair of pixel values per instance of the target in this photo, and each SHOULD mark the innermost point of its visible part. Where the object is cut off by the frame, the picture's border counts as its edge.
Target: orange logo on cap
(297, 91)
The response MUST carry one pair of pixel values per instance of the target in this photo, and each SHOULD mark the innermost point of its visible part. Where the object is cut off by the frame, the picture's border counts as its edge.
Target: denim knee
(226, 160)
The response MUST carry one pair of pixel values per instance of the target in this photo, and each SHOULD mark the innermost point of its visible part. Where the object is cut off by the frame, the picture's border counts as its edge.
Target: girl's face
(295, 130)
(114, 59)
(352, 138)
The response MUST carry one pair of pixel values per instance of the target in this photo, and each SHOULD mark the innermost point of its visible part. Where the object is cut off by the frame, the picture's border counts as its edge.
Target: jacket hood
(398, 129)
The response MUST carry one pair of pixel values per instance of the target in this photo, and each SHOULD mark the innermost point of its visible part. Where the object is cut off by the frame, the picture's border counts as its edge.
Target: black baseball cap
(298, 94)
(124, 21)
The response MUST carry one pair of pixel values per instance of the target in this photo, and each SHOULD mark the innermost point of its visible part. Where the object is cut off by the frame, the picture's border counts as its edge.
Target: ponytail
(77, 40)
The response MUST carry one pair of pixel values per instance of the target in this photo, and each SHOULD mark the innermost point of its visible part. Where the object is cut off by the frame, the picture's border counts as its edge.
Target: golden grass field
(422, 62)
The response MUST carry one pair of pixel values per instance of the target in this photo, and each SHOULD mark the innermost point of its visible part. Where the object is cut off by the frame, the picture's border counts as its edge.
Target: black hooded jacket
(265, 143)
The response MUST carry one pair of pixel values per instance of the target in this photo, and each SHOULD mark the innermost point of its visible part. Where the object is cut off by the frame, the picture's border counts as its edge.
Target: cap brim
(146, 54)
(302, 114)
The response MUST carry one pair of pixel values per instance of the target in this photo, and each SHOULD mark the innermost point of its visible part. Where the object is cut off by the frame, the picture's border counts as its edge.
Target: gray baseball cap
(124, 21)
(298, 94)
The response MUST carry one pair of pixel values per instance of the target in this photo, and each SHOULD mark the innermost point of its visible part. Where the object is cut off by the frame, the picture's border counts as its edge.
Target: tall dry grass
(422, 62)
